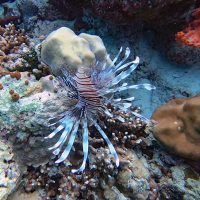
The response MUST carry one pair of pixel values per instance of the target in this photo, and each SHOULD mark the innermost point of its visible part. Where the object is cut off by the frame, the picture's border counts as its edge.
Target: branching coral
(11, 39)
(191, 35)
(17, 53)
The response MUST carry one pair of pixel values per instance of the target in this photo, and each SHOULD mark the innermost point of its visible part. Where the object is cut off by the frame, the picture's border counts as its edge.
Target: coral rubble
(9, 171)
(178, 126)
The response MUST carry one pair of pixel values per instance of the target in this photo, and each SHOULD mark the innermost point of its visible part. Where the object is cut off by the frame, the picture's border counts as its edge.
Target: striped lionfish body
(93, 92)
(87, 92)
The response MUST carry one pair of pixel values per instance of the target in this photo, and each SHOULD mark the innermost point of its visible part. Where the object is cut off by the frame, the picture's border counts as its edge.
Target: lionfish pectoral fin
(64, 134)
(85, 147)
(146, 86)
(127, 53)
(67, 150)
(124, 74)
(111, 67)
(111, 147)
(56, 121)
(57, 130)
(141, 117)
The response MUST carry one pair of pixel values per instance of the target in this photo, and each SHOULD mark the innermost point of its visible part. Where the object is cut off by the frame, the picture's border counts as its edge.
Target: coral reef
(178, 126)
(147, 170)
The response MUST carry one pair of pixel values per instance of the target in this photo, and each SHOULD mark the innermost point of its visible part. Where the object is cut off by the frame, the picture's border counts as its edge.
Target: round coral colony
(11, 91)
(1, 86)
(26, 82)
(15, 96)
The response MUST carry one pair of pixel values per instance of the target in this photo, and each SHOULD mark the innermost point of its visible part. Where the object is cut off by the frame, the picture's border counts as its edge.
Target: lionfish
(93, 90)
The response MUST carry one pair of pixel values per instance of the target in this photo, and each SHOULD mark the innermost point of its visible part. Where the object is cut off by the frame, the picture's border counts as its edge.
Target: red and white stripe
(86, 89)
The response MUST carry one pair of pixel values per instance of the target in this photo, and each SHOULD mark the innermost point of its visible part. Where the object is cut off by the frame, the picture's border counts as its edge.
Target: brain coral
(178, 126)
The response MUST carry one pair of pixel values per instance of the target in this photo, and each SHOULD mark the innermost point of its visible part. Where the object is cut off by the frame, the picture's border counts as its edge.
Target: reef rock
(9, 171)
(183, 54)
(129, 11)
(178, 126)
(29, 8)
(71, 50)
(25, 106)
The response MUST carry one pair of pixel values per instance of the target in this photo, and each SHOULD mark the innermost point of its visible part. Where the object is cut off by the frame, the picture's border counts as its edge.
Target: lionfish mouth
(93, 93)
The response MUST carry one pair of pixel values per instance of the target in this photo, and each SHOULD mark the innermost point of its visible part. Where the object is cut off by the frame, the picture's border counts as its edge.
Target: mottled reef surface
(29, 95)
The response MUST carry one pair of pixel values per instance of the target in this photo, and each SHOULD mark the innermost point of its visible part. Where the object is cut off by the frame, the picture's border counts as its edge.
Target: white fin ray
(65, 133)
(67, 150)
(111, 147)
(57, 130)
(126, 73)
(122, 88)
(85, 147)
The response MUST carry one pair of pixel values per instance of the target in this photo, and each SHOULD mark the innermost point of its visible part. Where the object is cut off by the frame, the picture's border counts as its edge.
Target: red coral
(191, 35)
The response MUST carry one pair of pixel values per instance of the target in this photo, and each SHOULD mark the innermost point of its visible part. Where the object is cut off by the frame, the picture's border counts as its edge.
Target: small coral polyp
(94, 90)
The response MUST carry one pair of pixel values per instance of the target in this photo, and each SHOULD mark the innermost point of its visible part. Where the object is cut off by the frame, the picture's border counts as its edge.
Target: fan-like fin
(57, 151)
(122, 88)
(125, 73)
(65, 133)
(70, 143)
(127, 53)
(115, 59)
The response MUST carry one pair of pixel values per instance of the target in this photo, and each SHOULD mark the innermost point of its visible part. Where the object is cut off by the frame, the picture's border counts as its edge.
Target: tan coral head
(178, 126)
(64, 49)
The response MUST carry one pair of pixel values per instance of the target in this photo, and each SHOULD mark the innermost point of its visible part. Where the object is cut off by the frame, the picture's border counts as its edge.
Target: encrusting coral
(178, 126)
(191, 35)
